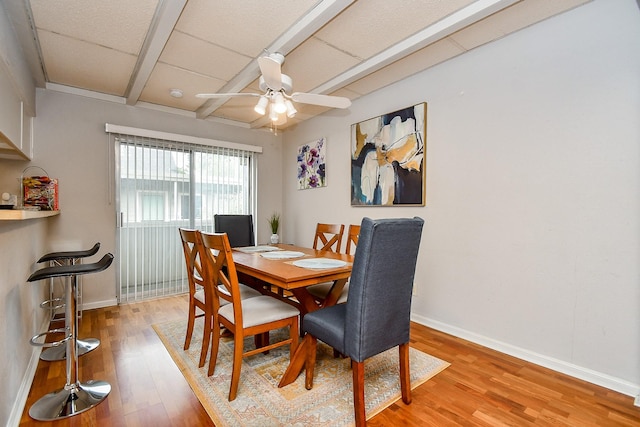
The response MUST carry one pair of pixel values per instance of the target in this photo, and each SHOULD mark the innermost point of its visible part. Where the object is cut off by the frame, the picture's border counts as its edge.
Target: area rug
(261, 403)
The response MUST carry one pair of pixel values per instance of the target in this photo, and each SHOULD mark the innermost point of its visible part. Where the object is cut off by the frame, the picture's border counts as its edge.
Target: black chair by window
(239, 229)
(376, 316)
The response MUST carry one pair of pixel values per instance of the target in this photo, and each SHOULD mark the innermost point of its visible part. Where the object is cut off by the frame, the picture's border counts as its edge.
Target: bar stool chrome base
(59, 352)
(75, 397)
(70, 400)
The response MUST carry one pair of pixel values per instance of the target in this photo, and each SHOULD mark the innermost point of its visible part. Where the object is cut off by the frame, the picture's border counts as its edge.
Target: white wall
(21, 244)
(72, 146)
(532, 239)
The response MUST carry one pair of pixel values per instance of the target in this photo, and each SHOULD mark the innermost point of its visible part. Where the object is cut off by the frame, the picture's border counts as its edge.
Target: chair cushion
(245, 293)
(248, 292)
(327, 324)
(260, 310)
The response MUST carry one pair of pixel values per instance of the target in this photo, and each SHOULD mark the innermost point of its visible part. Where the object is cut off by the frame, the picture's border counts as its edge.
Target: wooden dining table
(283, 274)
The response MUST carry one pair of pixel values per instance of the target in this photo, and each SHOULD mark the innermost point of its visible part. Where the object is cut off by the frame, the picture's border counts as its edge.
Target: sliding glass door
(161, 186)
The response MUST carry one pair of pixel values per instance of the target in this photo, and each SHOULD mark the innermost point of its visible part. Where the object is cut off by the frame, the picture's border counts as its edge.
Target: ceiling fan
(276, 88)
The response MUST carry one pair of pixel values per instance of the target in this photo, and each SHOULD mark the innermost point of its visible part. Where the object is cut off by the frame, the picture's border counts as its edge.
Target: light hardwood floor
(480, 388)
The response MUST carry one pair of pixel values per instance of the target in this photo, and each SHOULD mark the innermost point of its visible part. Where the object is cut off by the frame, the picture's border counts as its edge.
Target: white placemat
(319, 263)
(282, 254)
(257, 249)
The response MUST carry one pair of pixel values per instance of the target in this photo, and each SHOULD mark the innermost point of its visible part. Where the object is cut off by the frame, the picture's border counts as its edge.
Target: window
(165, 184)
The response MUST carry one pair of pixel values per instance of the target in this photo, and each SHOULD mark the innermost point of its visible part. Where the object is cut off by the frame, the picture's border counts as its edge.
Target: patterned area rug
(261, 403)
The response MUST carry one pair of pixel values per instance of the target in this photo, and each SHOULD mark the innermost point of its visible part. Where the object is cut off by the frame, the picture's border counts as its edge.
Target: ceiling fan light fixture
(261, 106)
(291, 110)
(273, 114)
(278, 102)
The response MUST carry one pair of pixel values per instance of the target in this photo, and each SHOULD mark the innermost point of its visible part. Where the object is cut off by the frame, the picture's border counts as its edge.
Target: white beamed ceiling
(140, 50)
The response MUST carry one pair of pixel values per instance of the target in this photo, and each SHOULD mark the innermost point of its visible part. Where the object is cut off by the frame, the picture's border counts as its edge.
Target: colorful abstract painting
(388, 159)
(311, 165)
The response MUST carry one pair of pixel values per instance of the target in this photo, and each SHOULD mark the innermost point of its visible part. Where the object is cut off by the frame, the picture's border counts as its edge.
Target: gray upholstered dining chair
(376, 316)
(239, 229)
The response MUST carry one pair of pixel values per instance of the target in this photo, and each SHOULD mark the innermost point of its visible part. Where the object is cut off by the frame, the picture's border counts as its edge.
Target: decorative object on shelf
(274, 223)
(388, 159)
(311, 165)
(9, 201)
(40, 191)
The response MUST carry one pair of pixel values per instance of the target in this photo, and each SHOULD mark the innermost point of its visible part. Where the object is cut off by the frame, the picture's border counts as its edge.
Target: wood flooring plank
(482, 387)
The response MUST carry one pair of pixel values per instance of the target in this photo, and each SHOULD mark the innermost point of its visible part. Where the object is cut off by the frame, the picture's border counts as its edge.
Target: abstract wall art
(388, 159)
(311, 165)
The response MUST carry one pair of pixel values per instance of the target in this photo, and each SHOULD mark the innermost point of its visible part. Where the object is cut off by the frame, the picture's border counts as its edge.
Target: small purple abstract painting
(311, 165)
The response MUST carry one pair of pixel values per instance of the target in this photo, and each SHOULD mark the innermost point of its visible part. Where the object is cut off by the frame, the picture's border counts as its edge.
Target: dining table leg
(297, 362)
(308, 304)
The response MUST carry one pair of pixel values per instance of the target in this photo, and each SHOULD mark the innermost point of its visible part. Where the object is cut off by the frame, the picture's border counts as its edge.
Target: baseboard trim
(25, 385)
(586, 374)
(99, 304)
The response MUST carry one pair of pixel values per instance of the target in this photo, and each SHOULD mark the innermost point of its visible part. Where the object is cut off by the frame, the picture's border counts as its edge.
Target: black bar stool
(75, 397)
(59, 352)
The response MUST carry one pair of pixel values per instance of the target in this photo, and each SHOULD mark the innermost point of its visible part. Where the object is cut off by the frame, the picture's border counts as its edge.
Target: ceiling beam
(324, 12)
(441, 29)
(167, 15)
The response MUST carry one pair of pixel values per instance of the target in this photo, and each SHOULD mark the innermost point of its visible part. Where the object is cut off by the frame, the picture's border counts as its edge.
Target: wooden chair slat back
(328, 237)
(218, 260)
(352, 238)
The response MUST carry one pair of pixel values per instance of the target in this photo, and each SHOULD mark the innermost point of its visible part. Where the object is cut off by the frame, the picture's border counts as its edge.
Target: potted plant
(274, 223)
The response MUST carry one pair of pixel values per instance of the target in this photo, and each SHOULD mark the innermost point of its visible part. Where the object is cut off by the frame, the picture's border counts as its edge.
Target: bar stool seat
(75, 397)
(59, 352)
(70, 255)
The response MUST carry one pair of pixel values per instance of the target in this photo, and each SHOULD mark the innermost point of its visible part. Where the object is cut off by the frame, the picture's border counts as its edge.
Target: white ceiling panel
(166, 77)
(510, 20)
(246, 26)
(240, 109)
(118, 24)
(315, 62)
(141, 49)
(368, 27)
(421, 60)
(211, 60)
(80, 64)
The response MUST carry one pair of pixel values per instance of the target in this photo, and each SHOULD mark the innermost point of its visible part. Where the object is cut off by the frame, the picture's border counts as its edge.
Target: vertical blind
(162, 185)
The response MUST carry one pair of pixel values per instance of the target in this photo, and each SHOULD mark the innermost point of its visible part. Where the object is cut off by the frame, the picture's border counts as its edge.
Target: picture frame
(312, 165)
(388, 159)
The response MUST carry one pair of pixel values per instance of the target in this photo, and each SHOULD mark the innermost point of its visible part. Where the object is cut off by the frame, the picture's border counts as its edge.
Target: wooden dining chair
(250, 317)
(200, 291)
(353, 233)
(199, 295)
(328, 237)
(376, 316)
(321, 290)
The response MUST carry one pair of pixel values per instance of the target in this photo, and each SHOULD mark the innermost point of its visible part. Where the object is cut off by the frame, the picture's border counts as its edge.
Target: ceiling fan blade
(224, 95)
(271, 72)
(324, 100)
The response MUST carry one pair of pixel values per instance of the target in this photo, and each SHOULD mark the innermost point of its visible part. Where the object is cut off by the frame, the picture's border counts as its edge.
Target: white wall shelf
(19, 215)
